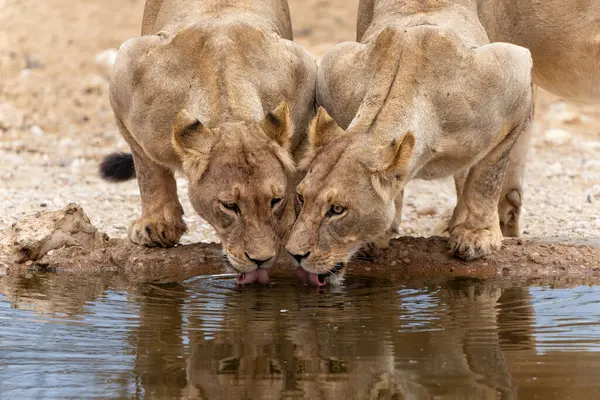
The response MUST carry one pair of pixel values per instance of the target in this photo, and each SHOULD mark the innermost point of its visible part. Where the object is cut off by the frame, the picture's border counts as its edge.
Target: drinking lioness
(424, 94)
(218, 90)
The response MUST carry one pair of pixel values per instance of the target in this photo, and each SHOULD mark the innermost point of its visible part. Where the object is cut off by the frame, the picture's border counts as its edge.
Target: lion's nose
(300, 257)
(258, 262)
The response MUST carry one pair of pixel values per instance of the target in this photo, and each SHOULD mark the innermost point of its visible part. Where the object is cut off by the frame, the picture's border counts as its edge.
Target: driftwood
(65, 240)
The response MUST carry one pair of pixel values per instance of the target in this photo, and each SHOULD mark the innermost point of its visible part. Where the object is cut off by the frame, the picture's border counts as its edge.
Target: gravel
(56, 125)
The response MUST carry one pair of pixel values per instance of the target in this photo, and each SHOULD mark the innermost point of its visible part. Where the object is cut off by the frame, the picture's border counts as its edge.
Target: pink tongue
(306, 276)
(248, 277)
(302, 274)
(314, 279)
(260, 275)
(263, 275)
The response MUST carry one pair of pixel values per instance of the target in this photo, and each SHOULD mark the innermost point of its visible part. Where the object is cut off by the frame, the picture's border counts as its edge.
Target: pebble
(106, 58)
(426, 210)
(95, 84)
(33, 61)
(36, 131)
(557, 136)
(559, 112)
(593, 195)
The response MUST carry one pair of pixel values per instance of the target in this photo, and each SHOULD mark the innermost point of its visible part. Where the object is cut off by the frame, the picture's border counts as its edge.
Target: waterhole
(69, 336)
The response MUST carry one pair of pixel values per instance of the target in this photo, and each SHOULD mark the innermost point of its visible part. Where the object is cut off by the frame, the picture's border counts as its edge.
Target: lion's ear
(277, 125)
(323, 129)
(393, 166)
(192, 142)
(396, 157)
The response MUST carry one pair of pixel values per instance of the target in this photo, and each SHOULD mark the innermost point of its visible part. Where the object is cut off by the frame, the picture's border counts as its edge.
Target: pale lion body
(564, 40)
(563, 37)
(422, 95)
(219, 91)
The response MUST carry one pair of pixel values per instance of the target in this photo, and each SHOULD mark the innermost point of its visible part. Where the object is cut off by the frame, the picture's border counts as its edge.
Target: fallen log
(65, 240)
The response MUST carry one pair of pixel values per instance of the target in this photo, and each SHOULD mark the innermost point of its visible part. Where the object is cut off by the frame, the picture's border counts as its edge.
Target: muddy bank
(65, 240)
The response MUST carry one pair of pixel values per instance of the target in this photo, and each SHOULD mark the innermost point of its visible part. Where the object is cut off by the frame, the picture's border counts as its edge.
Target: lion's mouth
(259, 275)
(318, 279)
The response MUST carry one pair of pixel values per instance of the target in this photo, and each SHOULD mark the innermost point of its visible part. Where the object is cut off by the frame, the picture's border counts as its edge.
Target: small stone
(36, 131)
(106, 58)
(33, 61)
(557, 136)
(17, 146)
(593, 194)
(426, 210)
(569, 117)
(393, 263)
(95, 84)
(43, 205)
(406, 260)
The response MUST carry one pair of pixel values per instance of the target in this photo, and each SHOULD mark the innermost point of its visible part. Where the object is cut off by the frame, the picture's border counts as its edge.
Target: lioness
(422, 95)
(219, 91)
(564, 39)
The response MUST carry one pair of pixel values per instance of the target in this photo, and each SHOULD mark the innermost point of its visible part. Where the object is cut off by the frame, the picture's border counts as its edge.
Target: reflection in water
(66, 336)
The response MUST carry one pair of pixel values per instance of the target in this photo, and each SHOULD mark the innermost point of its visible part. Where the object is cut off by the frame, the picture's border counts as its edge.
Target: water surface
(68, 336)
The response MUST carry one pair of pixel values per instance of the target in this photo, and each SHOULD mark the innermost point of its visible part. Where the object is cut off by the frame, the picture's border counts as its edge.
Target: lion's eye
(336, 209)
(275, 201)
(232, 207)
(300, 199)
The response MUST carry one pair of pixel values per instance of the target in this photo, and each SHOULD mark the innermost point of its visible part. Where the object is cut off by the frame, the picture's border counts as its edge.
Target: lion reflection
(304, 344)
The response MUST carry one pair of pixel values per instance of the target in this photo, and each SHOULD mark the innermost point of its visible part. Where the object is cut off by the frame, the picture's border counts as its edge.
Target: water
(66, 336)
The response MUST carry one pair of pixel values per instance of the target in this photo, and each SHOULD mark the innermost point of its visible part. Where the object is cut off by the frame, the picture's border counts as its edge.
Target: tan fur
(564, 40)
(422, 95)
(218, 91)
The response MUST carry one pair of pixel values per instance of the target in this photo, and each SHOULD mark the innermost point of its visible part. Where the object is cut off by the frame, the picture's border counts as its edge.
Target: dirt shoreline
(66, 241)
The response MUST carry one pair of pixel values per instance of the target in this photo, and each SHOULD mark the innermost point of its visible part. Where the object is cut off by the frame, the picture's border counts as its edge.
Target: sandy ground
(56, 124)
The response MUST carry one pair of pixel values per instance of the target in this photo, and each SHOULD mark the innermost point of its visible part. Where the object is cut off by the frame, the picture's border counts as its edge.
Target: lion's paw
(472, 244)
(371, 251)
(156, 232)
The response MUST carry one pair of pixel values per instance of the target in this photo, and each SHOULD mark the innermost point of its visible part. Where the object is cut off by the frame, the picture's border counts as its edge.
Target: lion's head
(346, 199)
(238, 182)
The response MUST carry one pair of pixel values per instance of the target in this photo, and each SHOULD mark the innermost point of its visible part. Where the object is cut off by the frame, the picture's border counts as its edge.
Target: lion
(423, 94)
(564, 40)
(219, 91)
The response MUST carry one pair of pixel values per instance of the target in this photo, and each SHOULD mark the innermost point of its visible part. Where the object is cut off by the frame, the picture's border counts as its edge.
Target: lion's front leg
(475, 224)
(161, 224)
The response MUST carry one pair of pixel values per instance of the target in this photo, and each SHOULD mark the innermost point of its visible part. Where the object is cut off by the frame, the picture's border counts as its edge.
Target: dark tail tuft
(117, 167)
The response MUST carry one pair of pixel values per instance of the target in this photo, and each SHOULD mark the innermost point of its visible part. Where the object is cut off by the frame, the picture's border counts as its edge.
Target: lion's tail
(117, 167)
